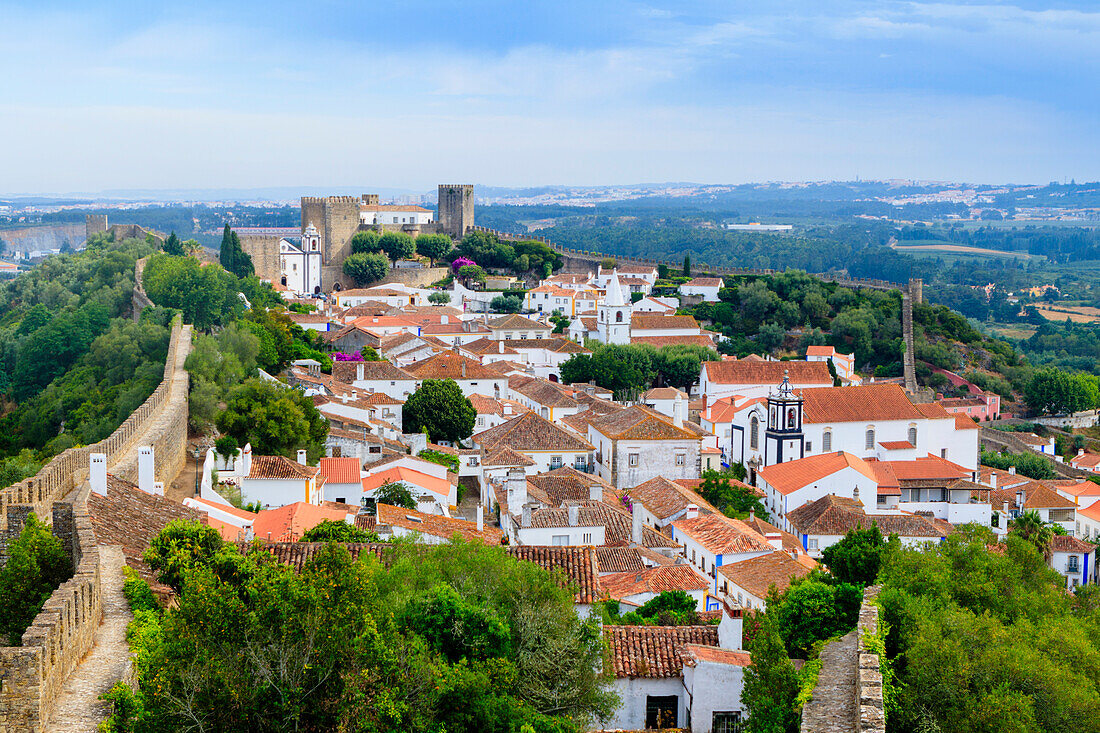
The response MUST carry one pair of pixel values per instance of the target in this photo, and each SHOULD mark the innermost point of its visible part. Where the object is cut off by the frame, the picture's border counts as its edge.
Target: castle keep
(338, 218)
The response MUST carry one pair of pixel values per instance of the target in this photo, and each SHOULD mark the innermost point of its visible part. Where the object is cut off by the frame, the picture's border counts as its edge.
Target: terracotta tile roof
(346, 371)
(1086, 460)
(517, 322)
(928, 468)
(567, 484)
(694, 653)
(635, 270)
(867, 403)
(791, 476)
(836, 515)
(503, 367)
(664, 498)
(1042, 497)
(705, 282)
(767, 372)
(790, 542)
(279, 467)
(933, 410)
(298, 554)
(531, 432)
(450, 365)
(490, 406)
(617, 524)
(557, 344)
(965, 422)
(663, 393)
(369, 308)
(820, 351)
(619, 560)
(652, 580)
(654, 651)
(435, 525)
(485, 346)
(577, 563)
(639, 423)
(660, 321)
(542, 391)
(695, 339)
(340, 470)
(441, 487)
(722, 535)
(756, 575)
(288, 523)
(1069, 543)
(505, 456)
(897, 445)
(129, 517)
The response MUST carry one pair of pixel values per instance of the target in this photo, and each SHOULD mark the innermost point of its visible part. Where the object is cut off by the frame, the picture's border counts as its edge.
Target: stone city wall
(871, 715)
(63, 632)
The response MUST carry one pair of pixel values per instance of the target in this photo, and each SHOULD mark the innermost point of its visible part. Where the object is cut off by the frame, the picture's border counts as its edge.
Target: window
(943, 453)
(661, 711)
(869, 442)
(618, 316)
(555, 461)
(811, 543)
(827, 441)
(475, 461)
(754, 433)
(1073, 566)
(913, 435)
(632, 459)
(587, 538)
(680, 459)
(560, 540)
(725, 721)
(480, 421)
(693, 556)
(809, 447)
(881, 500)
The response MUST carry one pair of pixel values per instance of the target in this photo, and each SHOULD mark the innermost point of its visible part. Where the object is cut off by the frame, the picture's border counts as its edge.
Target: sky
(98, 95)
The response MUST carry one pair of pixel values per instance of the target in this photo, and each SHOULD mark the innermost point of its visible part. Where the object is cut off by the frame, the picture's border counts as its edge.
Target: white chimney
(525, 516)
(595, 492)
(246, 459)
(574, 513)
(692, 511)
(146, 469)
(678, 410)
(359, 372)
(1012, 470)
(158, 488)
(775, 540)
(500, 347)
(507, 409)
(752, 514)
(302, 457)
(444, 319)
(480, 518)
(516, 483)
(993, 480)
(1002, 521)
(97, 473)
(636, 524)
(1080, 451)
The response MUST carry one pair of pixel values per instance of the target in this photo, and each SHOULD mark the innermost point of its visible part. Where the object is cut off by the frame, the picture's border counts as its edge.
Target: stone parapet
(869, 701)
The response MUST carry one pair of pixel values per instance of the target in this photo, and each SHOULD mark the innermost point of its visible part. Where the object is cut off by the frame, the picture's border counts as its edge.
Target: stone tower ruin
(456, 209)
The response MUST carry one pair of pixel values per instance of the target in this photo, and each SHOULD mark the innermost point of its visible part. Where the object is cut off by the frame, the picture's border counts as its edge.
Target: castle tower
(456, 209)
(783, 440)
(613, 314)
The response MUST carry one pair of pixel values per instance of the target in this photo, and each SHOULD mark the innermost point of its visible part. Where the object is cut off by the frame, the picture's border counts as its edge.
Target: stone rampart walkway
(79, 708)
(833, 707)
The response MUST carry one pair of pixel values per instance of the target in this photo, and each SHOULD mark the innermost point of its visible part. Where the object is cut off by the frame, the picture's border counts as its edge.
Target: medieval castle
(337, 219)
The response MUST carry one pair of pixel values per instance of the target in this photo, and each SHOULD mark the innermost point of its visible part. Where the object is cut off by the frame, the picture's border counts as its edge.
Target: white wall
(633, 693)
(578, 536)
(279, 492)
(714, 687)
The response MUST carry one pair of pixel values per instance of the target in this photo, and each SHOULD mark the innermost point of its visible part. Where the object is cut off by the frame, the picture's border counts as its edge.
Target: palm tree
(1031, 527)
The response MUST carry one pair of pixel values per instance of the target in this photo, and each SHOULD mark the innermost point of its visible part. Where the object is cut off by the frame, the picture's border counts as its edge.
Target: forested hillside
(74, 364)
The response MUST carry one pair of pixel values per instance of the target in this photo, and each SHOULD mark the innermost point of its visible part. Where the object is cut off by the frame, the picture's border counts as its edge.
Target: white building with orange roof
(845, 364)
(789, 485)
(652, 304)
(1086, 461)
(705, 287)
(709, 541)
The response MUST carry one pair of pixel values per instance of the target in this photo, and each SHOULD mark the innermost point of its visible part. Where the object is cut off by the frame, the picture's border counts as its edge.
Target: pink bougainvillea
(461, 262)
(341, 356)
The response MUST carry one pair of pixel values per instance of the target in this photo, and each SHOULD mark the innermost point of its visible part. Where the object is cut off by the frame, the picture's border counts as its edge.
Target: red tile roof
(756, 575)
(288, 523)
(664, 498)
(279, 467)
(340, 470)
(578, 565)
(652, 580)
(619, 560)
(450, 365)
(639, 423)
(531, 432)
(435, 524)
(654, 651)
(722, 535)
(791, 476)
(1069, 543)
(867, 403)
(767, 372)
(695, 653)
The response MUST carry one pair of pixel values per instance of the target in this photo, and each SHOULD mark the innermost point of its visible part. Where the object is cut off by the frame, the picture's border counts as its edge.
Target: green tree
(1031, 527)
(368, 353)
(771, 336)
(232, 257)
(181, 547)
(812, 610)
(687, 266)
(330, 530)
(366, 268)
(37, 564)
(856, 558)
(275, 419)
(439, 298)
(206, 294)
(456, 628)
(1054, 391)
(439, 409)
(366, 242)
(732, 499)
(395, 493)
(471, 273)
(173, 246)
(227, 446)
(771, 684)
(507, 304)
(397, 245)
(434, 246)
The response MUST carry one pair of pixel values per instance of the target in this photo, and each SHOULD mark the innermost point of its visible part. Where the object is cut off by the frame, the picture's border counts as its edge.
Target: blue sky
(100, 95)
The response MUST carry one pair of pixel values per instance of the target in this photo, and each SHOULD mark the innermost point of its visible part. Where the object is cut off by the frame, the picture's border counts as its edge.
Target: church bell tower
(784, 440)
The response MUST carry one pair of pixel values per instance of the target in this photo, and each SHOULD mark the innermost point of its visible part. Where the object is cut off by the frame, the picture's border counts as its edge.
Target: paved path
(79, 708)
(833, 707)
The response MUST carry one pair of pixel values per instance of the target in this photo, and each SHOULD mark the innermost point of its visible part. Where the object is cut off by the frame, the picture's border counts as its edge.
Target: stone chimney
(302, 457)
(146, 469)
(480, 518)
(636, 524)
(574, 513)
(692, 511)
(97, 473)
(775, 540)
